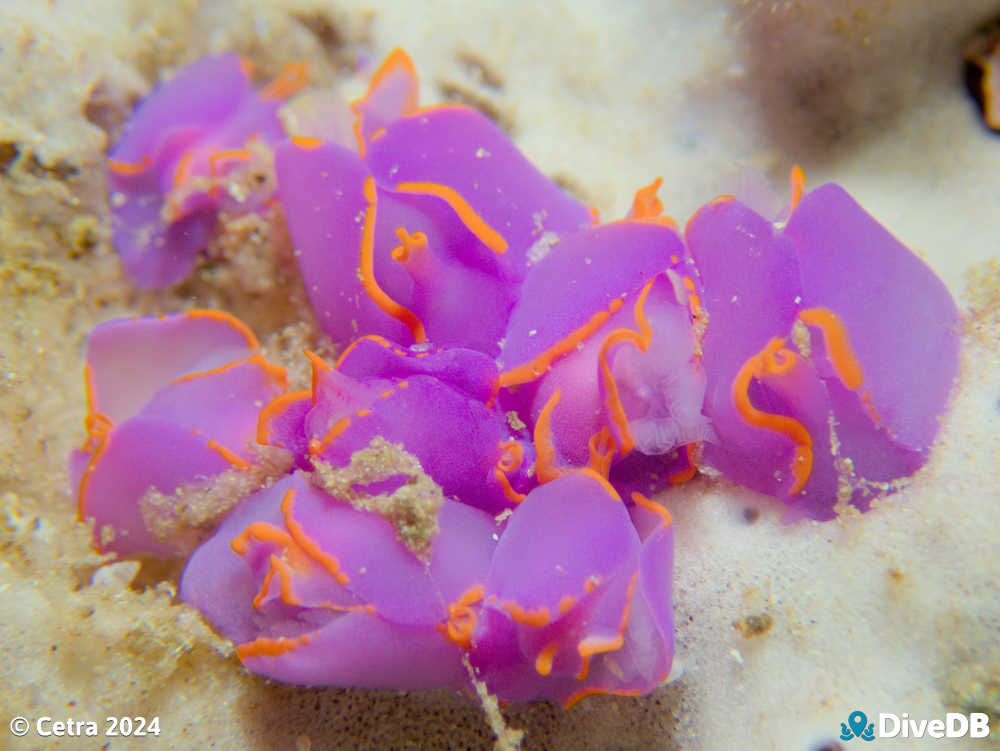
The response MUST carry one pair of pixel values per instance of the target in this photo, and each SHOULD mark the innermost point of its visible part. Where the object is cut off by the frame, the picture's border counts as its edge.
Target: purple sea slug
(599, 355)
(172, 406)
(436, 404)
(173, 170)
(578, 597)
(462, 496)
(380, 530)
(539, 609)
(830, 351)
(315, 590)
(434, 209)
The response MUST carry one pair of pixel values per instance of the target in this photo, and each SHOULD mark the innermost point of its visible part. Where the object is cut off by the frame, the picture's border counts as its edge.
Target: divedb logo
(953, 725)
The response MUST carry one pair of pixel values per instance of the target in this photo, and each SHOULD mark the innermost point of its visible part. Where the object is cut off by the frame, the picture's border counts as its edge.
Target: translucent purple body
(171, 173)
(463, 494)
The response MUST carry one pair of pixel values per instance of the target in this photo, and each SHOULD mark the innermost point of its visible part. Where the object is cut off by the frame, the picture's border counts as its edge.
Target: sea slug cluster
(464, 495)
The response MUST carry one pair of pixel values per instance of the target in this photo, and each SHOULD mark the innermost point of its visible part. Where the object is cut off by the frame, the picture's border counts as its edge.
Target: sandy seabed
(897, 611)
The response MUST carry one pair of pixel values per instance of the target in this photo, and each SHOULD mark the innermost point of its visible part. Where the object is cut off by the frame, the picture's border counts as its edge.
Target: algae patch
(411, 507)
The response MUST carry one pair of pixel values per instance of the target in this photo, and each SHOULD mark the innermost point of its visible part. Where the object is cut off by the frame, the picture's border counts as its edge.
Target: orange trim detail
(602, 447)
(508, 490)
(533, 369)
(838, 345)
(684, 475)
(222, 317)
(694, 301)
(566, 603)
(640, 340)
(319, 366)
(647, 207)
(512, 457)
(368, 281)
(509, 461)
(543, 663)
(276, 565)
(275, 371)
(476, 225)
(88, 386)
(656, 508)
(97, 425)
(318, 447)
(298, 547)
(409, 244)
(81, 503)
(431, 108)
(129, 169)
(717, 201)
(216, 159)
(246, 66)
(608, 488)
(182, 169)
(299, 551)
(262, 532)
(646, 204)
(368, 337)
(866, 400)
(797, 184)
(235, 459)
(591, 646)
(774, 360)
(268, 647)
(382, 342)
(274, 408)
(397, 61)
(266, 584)
(461, 623)
(307, 544)
(291, 79)
(278, 373)
(308, 143)
(585, 692)
(537, 618)
(545, 451)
